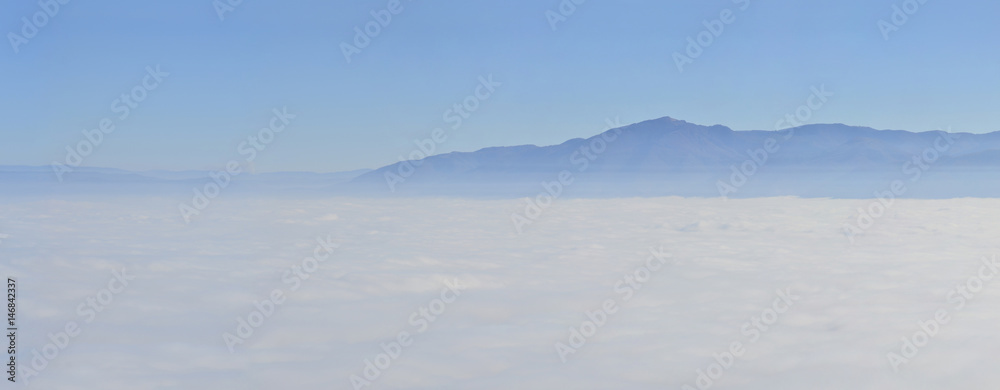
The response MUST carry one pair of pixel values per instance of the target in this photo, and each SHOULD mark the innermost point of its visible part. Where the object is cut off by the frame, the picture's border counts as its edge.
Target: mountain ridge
(657, 157)
(662, 150)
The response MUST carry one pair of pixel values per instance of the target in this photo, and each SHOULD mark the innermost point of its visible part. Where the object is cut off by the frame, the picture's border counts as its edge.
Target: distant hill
(668, 156)
(660, 157)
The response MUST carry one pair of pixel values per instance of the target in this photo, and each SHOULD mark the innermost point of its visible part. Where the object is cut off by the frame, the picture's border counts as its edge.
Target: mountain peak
(669, 120)
(670, 124)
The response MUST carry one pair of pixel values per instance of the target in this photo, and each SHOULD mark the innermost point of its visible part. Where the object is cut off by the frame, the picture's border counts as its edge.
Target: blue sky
(607, 59)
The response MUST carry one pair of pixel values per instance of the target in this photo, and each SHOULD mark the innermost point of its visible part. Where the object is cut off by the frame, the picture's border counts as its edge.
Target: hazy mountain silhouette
(667, 156)
(660, 157)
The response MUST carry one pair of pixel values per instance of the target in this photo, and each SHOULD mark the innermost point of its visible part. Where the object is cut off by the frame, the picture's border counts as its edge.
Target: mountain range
(667, 156)
(660, 157)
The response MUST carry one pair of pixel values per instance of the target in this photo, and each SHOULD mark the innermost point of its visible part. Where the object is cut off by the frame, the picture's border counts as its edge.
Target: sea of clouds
(513, 297)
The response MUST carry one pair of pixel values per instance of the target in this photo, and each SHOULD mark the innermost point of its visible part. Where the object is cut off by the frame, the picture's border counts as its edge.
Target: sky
(604, 60)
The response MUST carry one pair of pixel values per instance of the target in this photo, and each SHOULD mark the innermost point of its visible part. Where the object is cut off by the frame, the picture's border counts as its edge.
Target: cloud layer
(522, 293)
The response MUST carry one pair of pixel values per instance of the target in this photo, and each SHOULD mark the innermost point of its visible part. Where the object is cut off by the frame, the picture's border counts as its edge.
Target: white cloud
(524, 292)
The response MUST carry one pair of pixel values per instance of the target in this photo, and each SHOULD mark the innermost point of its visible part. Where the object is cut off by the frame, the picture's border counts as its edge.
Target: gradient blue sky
(609, 59)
